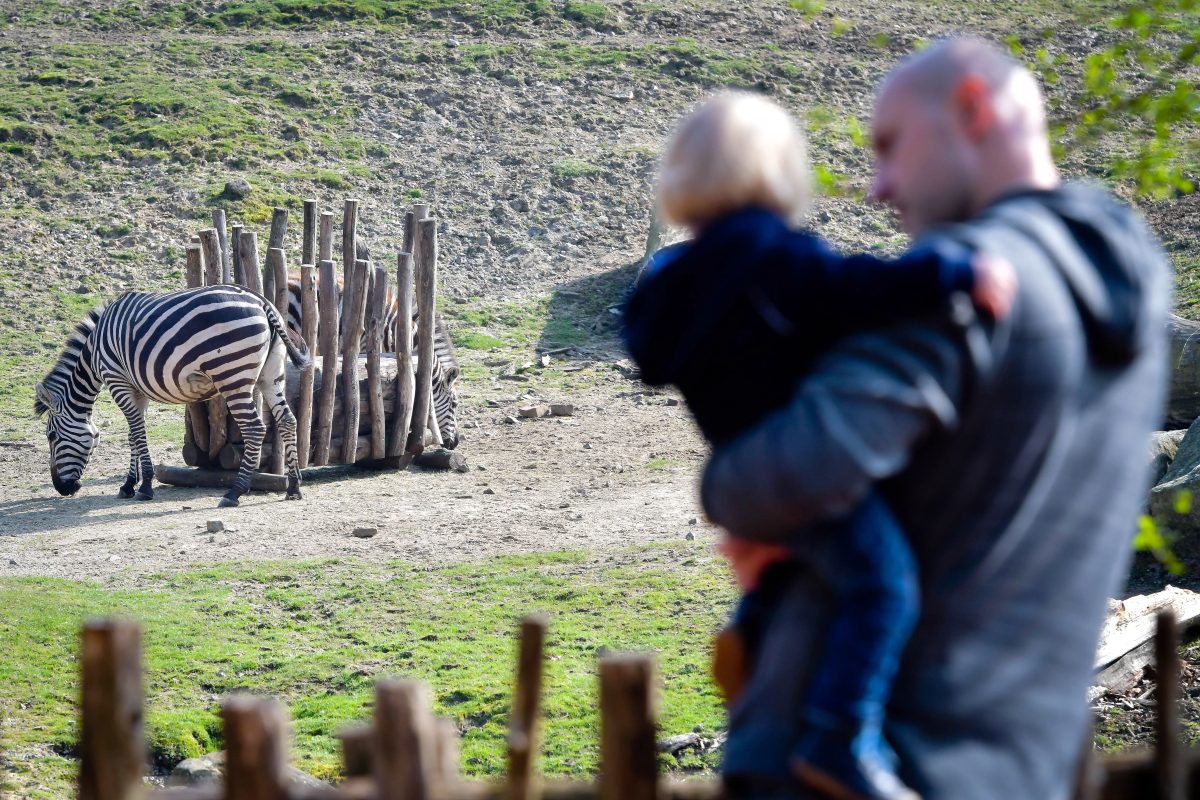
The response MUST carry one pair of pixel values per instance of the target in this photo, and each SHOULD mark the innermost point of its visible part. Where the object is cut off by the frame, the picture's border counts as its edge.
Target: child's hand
(749, 560)
(995, 284)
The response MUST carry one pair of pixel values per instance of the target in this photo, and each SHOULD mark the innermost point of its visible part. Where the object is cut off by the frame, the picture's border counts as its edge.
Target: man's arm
(852, 423)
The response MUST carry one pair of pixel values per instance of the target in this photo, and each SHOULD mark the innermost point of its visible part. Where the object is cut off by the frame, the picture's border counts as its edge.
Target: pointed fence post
(426, 268)
(277, 266)
(523, 727)
(279, 223)
(355, 309)
(328, 331)
(628, 761)
(195, 440)
(112, 746)
(308, 317)
(218, 218)
(218, 412)
(375, 320)
(402, 409)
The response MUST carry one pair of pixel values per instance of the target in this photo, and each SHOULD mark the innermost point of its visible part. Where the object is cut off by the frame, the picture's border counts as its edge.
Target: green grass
(317, 635)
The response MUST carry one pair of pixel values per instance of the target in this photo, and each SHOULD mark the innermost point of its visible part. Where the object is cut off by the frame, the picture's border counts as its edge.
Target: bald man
(1011, 451)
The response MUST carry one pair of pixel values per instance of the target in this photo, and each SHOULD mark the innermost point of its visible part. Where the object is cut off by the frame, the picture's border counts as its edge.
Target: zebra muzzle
(67, 488)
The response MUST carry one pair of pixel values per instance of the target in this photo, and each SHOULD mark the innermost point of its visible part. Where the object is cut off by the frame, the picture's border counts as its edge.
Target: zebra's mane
(58, 377)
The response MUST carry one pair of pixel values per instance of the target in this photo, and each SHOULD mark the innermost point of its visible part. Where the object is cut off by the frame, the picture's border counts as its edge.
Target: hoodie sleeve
(854, 422)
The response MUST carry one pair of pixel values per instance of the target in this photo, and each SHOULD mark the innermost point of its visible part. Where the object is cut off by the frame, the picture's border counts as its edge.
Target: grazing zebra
(181, 347)
(444, 398)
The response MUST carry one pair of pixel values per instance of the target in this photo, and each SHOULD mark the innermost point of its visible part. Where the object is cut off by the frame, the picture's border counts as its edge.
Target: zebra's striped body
(181, 347)
(443, 398)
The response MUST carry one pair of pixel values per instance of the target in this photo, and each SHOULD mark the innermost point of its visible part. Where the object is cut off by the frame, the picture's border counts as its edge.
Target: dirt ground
(622, 471)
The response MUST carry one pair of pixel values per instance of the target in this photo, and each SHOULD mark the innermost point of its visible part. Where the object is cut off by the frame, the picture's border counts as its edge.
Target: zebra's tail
(296, 348)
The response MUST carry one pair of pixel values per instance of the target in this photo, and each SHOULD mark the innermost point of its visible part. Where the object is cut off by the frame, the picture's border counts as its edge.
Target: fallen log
(441, 459)
(1132, 621)
(259, 481)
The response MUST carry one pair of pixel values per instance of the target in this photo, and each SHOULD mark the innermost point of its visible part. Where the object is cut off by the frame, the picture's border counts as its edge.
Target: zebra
(444, 397)
(179, 347)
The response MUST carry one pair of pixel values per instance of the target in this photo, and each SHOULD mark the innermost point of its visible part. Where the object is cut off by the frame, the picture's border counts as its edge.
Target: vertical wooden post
(426, 269)
(355, 309)
(218, 413)
(195, 440)
(523, 726)
(357, 743)
(1168, 749)
(405, 748)
(446, 760)
(308, 245)
(248, 253)
(112, 747)
(218, 218)
(628, 762)
(375, 310)
(277, 266)
(326, 243)
(279, 222)
(328, 331)
(349, 255)
(403, 406)
(308, 331)
(410, 231)
(255, 749)
(235, 251)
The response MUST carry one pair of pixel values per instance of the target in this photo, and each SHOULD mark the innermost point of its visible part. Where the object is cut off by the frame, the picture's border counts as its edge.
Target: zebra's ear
(46, 400)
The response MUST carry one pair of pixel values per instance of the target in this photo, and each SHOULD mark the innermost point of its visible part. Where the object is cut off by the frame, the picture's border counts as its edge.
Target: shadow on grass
(581, 315)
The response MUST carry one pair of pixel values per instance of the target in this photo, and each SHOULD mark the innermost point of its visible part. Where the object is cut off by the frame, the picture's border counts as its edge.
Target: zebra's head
(72, 438)
(445, 405)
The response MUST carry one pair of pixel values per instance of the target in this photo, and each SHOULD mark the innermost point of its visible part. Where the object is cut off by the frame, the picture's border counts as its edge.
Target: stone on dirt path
(365, 532)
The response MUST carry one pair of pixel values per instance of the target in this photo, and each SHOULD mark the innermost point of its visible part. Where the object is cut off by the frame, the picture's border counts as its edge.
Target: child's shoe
(849, 765)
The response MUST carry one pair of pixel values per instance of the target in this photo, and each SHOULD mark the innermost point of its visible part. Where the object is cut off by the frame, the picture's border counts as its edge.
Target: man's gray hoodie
(1014, 455)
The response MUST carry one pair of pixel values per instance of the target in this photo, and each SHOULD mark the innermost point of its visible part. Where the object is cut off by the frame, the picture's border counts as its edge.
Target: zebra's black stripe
(181, 347)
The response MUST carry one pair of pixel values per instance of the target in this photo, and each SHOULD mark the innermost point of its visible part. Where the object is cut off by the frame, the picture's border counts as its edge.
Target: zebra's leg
(133, 405)
(285, 422)
(245, 412)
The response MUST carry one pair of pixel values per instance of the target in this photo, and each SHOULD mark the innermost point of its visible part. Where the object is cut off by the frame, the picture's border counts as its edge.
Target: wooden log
(248, 255)
(308, 245)
(355, 308)
(277, 266)
(628, 765)
(218, 218)
(402, 408)
(255, 749)
(375, 310)
(349, 249)
(357, 743)
(1168, 748)
(234, 431)
(1133, 621)
(279, 222)
(441, 459)
(231, 456)
(218, 412)
(195, 440)
(112, 746)
(405, 750)
(326, 243)
(425, 259)
(308, 331)
(235, 252)
(328, 331)
(216, 479)
(523, 726)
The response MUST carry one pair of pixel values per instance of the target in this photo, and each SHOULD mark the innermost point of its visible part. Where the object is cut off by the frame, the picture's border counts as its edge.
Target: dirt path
(621, 472)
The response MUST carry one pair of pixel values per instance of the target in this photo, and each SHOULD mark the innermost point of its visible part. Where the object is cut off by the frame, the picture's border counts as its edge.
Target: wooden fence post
(195, 440)
(279, 222)
(1168, 748)
(328, 331)
(235, 251)
(523, 726)
(218, 218)
(357, 743)
(326, 243)
(446, 761)
(628, 761)
(426, 269)
(218, 413)
(405, 752)
(277, 266)
(308, 245)
(112, 747)
(255, 749)
(375, 310)
(355, 309)
(349, 254)
(402, 409)
(248, 255)
(308, 317)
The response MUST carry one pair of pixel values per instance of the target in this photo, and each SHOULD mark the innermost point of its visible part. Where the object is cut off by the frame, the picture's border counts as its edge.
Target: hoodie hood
(1106, 256)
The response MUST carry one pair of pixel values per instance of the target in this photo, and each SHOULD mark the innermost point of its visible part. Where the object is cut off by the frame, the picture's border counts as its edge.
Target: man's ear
(972, 100)
(47, 398)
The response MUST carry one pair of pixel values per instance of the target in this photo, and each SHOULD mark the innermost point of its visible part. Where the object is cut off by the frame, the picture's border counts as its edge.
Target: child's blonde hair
(736, 150)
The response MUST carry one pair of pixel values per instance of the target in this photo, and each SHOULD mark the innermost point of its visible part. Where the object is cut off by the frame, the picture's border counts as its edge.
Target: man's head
(955, 127)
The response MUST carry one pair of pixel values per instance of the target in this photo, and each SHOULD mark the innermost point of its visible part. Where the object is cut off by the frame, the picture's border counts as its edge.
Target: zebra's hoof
(125, 492)
(295, 495)
(144, 495)
(227, 502)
